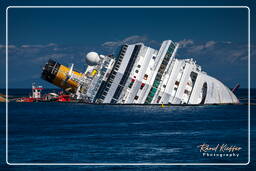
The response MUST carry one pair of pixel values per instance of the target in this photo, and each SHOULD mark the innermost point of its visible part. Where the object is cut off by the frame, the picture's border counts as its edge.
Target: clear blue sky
(94, 26)
(74, 29)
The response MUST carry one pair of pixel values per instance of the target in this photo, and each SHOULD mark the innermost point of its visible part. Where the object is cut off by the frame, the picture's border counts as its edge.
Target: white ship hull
(143, 75)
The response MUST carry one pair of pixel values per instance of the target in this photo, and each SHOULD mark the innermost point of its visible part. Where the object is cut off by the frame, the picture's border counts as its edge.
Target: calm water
(80, 133)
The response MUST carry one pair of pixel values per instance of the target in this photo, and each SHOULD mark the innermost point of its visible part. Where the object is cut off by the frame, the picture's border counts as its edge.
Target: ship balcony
(154, 89)
(156, 83)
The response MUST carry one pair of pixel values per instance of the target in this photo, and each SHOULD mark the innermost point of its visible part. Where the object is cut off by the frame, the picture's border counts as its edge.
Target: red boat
(50, 97)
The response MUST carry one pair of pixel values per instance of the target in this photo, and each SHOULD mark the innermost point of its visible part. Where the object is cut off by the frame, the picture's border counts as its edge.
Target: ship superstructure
(140, 75)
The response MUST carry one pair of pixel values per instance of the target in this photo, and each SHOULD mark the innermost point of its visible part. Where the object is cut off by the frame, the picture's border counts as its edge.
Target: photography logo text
(219, 150)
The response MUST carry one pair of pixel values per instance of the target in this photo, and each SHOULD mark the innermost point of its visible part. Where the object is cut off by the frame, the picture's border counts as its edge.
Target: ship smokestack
(60, 75)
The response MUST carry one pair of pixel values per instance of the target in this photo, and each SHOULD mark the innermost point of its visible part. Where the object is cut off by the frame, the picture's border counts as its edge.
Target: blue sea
(81, 133)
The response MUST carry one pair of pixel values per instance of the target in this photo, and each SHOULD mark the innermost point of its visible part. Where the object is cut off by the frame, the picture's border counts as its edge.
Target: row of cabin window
(143, 84)
(114, 72)
(159, 97)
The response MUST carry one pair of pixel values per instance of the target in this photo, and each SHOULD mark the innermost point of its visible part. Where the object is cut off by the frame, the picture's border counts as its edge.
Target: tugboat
(36, 95)
(50, 97)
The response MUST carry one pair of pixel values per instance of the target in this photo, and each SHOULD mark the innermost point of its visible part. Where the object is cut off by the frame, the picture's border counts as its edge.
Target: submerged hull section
(143, 75)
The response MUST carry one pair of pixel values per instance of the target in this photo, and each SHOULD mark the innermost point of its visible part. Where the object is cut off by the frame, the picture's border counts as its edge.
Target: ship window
(204, 93)
(145, 77)
(158, 99)
(106, 63)
(112, 77)
(136, 71)
(104, 70)
(154, 57)
(113, 101)
(164, 86)
(138, 66)
(108, 85)
(177, 83)
(136, 97)
(186, 92)
(158, 77)
(142, 85)
(111, 80)
(130, 85)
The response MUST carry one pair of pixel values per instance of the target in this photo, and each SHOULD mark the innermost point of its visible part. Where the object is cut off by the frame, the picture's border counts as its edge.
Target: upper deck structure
(141, 75)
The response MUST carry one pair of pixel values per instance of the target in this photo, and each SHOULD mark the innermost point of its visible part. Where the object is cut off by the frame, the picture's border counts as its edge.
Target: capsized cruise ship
(140, 75)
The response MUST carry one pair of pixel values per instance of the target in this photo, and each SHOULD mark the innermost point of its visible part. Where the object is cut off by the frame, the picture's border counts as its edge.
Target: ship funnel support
(92, 58)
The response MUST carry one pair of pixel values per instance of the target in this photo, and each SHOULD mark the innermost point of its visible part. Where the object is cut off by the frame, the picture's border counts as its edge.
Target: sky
(216, 38)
